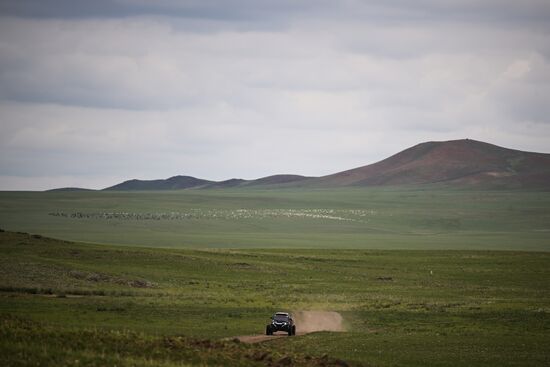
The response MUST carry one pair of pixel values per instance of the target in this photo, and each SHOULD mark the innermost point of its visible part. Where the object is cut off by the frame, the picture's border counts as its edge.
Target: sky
(93, 93)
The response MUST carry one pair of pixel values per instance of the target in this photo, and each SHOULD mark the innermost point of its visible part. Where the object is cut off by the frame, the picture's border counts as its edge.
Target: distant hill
(457, 162)
(69, 189)
(269, 181)
(172, 183)
(234, 182)
(277, 180)
(188, 182)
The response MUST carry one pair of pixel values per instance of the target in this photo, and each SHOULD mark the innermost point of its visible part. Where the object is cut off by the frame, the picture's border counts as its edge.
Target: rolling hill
(459, 163)
(277, 180)
(69, 189)
(188, 182)
(172, 183)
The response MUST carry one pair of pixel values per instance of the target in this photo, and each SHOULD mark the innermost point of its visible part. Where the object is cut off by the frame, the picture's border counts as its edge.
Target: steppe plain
(421, 276)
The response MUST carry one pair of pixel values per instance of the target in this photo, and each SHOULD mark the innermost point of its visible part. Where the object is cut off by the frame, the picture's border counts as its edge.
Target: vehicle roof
(282, 313)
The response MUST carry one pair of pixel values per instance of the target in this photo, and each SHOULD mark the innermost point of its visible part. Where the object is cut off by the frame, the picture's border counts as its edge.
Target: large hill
(459, 163)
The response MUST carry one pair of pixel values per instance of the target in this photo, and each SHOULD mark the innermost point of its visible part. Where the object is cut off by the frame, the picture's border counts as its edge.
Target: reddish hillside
(458, 162)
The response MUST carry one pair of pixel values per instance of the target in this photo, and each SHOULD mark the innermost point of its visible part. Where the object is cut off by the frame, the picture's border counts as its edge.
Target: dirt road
(306, 322)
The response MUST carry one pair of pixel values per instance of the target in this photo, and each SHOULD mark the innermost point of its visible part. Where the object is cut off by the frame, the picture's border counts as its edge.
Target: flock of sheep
(328, 214)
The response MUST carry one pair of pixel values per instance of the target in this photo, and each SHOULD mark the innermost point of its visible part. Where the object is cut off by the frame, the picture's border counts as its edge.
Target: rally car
(281, 321)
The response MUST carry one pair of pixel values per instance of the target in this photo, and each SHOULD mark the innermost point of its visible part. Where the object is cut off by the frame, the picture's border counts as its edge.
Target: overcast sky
(96, 92)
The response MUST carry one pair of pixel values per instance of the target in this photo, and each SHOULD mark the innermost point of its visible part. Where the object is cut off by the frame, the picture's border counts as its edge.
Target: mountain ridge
(459, 163)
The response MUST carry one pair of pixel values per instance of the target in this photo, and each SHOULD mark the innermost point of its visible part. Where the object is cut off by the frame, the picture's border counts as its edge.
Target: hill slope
(172, 183)
(233, 182)
(458, 162)
(277, 180)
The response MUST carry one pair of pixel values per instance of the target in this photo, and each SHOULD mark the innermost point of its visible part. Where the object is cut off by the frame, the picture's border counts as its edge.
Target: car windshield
(280, 318)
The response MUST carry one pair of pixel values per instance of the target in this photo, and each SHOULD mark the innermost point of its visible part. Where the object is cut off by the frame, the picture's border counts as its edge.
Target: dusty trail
(306, 322)
(252, 339)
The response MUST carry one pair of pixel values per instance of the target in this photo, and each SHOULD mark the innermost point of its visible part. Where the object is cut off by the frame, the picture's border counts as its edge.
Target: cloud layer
(97, 93)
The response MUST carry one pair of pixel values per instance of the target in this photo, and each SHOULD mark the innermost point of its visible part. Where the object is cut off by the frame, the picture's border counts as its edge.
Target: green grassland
(421, 277)
(65, 303)
(375, 218)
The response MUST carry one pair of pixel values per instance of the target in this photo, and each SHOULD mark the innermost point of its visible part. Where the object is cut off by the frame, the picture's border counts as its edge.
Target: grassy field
(65, 303)
(415, 274)
(364, 218)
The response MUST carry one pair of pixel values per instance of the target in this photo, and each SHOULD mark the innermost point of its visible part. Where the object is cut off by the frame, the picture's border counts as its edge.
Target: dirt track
(306, 322)
(251, 339)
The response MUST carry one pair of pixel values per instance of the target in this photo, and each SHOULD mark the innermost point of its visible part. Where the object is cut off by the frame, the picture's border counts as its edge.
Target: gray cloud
(110, 90)
(246, 9)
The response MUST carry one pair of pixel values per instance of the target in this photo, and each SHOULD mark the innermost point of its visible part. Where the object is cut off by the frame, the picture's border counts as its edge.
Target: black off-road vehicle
(281, 321)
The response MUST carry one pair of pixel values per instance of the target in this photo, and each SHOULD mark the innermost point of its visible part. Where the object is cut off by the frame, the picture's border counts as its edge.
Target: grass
(420, 276)
(26, 343)
(396, 218)
(62, 302)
